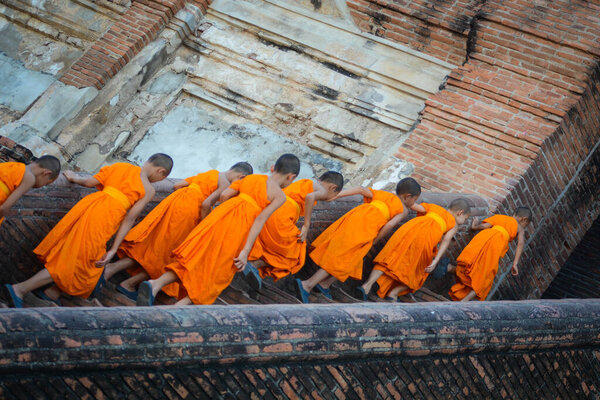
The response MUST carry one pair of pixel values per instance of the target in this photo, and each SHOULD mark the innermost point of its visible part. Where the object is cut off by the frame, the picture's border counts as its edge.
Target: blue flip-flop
(16, 301)
(252, 277)
(391, 299)
(442, 269)
(301, 293)
(101, 283)
(324, 292)
(40, 293)
(132, 294)
(145, 296)
(360, 294)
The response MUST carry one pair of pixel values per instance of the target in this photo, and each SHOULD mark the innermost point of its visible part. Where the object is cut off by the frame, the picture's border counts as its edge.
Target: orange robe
(340, 249)
(411, 249)
(205, 258)
(278, 243)
(151, 242)
(477, 265)
(11, 175)
(72, 247)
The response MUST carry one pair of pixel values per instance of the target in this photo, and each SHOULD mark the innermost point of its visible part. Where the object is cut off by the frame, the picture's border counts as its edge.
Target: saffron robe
(11, 175)
(71, 249)
(152, 241)
(477, 264)
(278, 243)
(340, 249)
(204, 260)
(411, 249)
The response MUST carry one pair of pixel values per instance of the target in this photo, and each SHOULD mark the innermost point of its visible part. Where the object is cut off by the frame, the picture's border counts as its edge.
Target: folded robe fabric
(411, 249)
(204, 260)
(152, 241)
(71, 249)
(340, 249)
(11, 175)
(477, 264)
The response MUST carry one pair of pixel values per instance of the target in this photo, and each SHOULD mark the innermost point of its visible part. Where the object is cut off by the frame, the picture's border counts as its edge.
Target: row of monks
(191, 249)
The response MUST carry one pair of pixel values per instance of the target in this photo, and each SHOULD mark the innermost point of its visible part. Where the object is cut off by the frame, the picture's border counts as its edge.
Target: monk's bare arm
(180, 184)
(26, 183)
(387, 228)
(442, 250)
(227, 194)
(418, 208)
(309, 201)
(477, 225)
(89, 181)
(242, 259)
(210, 201)
(520, 246)
(354, 191)
(127, 224)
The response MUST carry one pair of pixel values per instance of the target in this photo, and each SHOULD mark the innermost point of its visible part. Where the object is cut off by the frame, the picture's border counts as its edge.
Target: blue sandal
(324, 292)
(101, 283)
(360, 294)
(132, 294)
(252, 277)
(301, 293)
(145, 296)
(15, 301)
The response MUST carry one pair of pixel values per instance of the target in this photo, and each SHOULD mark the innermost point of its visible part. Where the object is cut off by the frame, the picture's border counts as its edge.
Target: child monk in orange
(340, 249)
(209, 257)
(74, 251)
(151, 242)
(412, 253)
(17, 178)
(477, 265)
(280, 249)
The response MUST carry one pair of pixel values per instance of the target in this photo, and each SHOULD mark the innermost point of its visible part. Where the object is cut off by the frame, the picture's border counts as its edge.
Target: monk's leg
(52, 292)
(375, 274)
(131, 283)
(123, 263)
(162, 281)
(258, 264)
(42, 278)
(470, 296)
(397, 290)
(186, 301)
(328, 282)
(314, 280)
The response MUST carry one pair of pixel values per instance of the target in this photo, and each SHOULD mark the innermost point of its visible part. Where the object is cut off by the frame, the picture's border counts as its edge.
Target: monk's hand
(241, 260)
(474, 223)
(70, 175)
(303, 234)
(105, 258)
(430, 268)
(514, 270)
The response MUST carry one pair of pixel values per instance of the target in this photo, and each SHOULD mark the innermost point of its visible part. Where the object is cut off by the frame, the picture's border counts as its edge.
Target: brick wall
(11, 151)
(137, 27)
(517, 123)
(580, 275)
(533, 349)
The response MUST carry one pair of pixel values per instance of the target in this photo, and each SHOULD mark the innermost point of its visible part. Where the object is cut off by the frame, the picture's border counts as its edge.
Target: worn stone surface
(499, 350)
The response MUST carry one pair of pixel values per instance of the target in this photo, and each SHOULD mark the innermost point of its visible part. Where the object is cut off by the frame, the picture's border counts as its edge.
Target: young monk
(477, 265)
(17, 178)
(74, 251)
(150, 243)
(209, 257)
(412, 253)
(340, 249)
(280, 249)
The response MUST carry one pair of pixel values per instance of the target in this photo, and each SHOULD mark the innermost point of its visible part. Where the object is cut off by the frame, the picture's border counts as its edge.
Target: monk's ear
(272, 169)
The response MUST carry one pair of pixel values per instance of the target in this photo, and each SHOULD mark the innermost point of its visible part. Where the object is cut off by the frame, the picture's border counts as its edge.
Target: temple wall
(528, 349)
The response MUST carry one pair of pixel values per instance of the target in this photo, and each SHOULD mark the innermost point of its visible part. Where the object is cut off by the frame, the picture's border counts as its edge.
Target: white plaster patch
(198, 142)
(113, 102)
